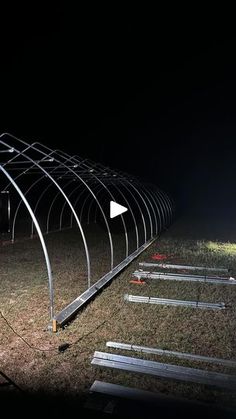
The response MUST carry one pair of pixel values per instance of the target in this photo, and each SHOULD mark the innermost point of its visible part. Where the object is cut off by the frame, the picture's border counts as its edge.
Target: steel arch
(59, 182)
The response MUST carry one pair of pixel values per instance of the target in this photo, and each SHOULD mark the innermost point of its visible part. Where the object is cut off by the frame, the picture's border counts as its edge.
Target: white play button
(116, 209)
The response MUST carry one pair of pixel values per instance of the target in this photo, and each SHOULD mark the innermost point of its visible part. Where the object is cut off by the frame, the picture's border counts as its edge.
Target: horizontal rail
(182, 277)
(165, 301)
(187, 267)
(80, 301)
(168, 371)
(161, 352)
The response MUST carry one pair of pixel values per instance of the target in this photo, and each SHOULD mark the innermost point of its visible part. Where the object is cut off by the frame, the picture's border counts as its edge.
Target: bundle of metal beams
(184, 277)
(187, 267)
(165, 301)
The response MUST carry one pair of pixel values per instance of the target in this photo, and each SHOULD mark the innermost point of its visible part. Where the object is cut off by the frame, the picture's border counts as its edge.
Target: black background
(151, 92)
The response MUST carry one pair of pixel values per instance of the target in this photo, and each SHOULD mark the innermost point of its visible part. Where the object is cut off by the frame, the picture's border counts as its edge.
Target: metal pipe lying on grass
(184, 277)
(161, 352)
(187, 267)
(165, 301)
(167, 371)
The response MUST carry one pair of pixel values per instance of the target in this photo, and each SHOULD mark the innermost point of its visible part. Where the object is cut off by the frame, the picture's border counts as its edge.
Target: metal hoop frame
(81, 187)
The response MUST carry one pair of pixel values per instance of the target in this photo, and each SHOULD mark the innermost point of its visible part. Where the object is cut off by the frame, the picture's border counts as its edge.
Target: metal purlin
(91, 183)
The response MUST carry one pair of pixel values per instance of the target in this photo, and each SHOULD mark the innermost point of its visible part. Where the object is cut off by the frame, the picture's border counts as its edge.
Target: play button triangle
(116, 209)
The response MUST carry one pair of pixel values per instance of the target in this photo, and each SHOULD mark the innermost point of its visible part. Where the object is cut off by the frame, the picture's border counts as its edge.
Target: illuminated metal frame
(150, 209)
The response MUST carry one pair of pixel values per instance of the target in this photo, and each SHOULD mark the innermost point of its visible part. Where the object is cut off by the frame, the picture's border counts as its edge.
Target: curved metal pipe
(130, 209)
(64, 205)
(69, 203)
(85, 184)
(122, 218)
(53, 202)
(43, 244)
(150, 209)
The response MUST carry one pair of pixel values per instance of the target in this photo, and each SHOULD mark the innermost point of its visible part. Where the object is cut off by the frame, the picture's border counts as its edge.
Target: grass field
(35, 363)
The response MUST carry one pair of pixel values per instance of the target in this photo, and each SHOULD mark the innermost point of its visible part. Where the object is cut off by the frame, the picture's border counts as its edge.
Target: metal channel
(161, 352)
(80, 301)
(123, 392)
(168, 371)
(156, 400)
(164, 301)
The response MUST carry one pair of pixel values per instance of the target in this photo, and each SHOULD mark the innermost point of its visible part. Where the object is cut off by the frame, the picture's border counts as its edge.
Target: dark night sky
(152, 95)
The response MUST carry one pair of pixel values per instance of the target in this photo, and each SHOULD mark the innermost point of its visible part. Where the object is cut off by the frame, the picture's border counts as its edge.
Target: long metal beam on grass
(79, 302)
(187, 267)
(183, 277)
(165, 301)
(155, 400)
(161, 352)
(116, 390)
(168, 371)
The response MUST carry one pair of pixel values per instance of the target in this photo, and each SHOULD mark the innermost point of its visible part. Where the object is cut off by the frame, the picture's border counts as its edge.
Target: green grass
(226, 249)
